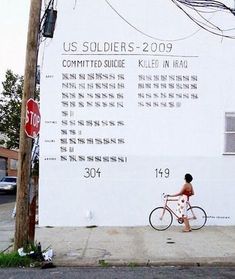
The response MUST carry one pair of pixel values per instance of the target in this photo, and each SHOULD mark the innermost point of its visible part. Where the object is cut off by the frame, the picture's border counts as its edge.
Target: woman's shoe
(187, 230)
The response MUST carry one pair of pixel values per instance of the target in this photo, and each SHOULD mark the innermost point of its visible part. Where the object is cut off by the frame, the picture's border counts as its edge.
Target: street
(6, 198)
(7, 223)
(7, 203)
(120, 272)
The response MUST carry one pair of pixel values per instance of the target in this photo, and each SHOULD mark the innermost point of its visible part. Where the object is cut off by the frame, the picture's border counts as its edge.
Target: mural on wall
(134, 95)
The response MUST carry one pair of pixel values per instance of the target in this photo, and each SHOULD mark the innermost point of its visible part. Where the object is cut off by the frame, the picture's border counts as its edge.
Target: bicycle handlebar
(165, 195)
(168, 198)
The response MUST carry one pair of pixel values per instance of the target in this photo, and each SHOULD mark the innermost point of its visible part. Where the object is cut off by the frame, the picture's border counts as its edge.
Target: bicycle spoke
(197, 217)
(160, 218)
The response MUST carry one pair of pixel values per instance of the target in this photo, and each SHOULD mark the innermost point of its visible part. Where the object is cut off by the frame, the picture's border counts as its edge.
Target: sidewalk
(131, 246)
(139, 246)
(7, 226)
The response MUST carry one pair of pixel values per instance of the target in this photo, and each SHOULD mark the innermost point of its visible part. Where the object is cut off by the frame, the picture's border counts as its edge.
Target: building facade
(134, 95)
(8, 162)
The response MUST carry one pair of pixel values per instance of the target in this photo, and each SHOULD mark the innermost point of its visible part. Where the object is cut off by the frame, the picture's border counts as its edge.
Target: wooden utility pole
(22, 198)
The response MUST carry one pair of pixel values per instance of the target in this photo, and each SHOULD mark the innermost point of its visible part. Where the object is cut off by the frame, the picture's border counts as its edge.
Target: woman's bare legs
(187, 225)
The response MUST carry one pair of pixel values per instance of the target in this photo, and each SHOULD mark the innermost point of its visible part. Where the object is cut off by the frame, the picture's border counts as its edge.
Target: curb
(147, 263)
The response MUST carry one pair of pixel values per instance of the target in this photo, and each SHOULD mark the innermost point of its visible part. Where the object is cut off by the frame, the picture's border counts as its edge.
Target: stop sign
(32, 123)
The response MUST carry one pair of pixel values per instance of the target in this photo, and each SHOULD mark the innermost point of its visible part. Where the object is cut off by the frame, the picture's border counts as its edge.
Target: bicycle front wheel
(197, 217)
(160, 218)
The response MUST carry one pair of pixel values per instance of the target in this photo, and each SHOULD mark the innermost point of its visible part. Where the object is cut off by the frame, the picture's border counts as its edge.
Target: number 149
(162, 173)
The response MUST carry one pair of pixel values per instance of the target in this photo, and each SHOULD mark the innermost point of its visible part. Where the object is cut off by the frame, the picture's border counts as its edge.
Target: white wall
(186, 135)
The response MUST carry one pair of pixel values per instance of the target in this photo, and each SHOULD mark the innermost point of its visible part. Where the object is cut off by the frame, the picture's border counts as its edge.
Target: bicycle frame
(179, 218)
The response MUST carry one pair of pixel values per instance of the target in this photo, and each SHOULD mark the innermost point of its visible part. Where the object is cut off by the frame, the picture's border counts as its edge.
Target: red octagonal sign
(32, 123)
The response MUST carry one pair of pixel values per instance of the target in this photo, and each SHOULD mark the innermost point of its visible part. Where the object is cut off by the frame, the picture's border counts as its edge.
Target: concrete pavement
(7, 225)
(115, 246)
(139, 246)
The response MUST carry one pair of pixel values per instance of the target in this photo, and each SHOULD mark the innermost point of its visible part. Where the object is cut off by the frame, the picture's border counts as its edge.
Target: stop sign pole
(32, 127)
(23, 175)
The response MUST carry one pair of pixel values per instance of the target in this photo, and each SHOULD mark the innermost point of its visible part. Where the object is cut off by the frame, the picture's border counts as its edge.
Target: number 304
(162, 173)
(92, 173)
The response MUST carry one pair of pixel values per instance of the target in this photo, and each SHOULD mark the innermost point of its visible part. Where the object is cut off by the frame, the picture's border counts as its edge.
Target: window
(13, 164)
(229, 133)
(3, 166)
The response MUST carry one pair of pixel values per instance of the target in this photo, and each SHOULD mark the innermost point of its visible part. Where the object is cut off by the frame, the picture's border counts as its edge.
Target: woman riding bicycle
(184, 194)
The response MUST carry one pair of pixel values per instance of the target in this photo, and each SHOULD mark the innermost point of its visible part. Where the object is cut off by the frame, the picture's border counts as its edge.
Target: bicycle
(161, 218)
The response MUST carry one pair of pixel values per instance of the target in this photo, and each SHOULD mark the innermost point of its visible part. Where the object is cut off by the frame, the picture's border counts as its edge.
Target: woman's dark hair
(188, 177)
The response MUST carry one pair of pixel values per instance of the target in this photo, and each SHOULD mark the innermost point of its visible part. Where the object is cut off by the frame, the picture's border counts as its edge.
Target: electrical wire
(55, 5)
(75, 4)
(50, 4)
(44, 14)
(206, 24)
(206, 4)
(200, 7)
(144, 33)
(207, 20)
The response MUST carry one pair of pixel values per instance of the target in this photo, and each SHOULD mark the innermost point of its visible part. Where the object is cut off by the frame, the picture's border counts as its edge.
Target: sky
(14, 16)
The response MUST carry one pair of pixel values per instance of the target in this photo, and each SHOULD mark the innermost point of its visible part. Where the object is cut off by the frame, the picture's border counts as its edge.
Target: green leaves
(10, 109)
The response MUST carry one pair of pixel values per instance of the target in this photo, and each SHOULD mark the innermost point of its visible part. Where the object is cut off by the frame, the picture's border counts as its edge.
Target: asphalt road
(120, 272)
(6, 198)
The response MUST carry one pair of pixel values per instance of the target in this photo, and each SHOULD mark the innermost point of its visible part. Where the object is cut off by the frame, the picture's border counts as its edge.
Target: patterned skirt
(181, 209)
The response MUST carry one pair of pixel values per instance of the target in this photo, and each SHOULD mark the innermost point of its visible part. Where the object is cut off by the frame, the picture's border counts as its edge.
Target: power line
(208, 6)
(201, 8)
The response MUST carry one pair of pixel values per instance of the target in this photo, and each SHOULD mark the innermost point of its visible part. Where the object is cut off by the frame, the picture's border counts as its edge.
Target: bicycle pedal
(180, 220)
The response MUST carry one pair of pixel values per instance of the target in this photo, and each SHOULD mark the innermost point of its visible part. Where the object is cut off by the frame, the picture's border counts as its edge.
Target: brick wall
(12, 158)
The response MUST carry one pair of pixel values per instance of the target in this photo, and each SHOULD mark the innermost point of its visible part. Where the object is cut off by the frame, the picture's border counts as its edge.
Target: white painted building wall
(179, 133)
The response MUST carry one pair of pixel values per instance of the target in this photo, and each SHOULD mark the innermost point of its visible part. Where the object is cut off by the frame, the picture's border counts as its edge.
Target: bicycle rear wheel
(160, 219)
(197, 217)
